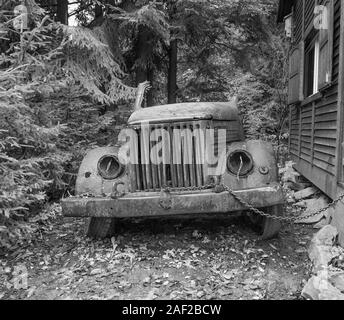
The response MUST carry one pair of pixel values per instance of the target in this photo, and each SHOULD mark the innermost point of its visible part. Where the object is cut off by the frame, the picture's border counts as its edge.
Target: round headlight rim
(243, 173)
(118, 172)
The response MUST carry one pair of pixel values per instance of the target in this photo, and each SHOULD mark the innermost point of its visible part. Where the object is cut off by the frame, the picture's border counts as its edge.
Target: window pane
(309, 72)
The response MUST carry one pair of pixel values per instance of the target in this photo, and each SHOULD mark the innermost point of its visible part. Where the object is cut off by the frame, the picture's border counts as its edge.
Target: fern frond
(149, 16)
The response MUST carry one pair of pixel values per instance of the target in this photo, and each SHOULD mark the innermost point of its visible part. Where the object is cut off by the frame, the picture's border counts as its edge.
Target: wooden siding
(314, 125)
(336, 42)
(298, 24)
(294, 131)
(309, 13)
(294, 74)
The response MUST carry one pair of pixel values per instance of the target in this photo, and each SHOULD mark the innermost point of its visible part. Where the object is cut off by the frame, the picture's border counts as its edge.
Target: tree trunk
(62, 11)
(172, 72)
(98, 11)
(144, 72)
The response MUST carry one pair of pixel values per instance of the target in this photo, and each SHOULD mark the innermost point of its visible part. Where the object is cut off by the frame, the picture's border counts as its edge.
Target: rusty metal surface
(89, 180)
(257, 188)
(263, 157)
(224, 111)
(196, 175)
(157, 204)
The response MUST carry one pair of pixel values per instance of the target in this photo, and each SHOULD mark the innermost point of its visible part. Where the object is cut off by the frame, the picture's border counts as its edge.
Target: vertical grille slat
(159, 156)
(145, 159)
(149, 163)
(204, 167)
(192, 158)
(138, 177)
(137, 165)
(185, 157)
(165, 155)
(132, 168)
(155, 175)
(173, 167)
(178, 155)
(198, 153)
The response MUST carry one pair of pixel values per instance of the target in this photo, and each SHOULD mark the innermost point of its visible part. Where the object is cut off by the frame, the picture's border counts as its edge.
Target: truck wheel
(100, 228)
(271, 227)
(267, 228)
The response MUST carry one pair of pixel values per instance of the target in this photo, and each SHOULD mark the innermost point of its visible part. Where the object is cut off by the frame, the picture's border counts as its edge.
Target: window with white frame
(312, 55)
(310, 60)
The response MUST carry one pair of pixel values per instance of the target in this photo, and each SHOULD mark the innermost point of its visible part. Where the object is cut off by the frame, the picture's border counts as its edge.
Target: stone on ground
(301, 204)
(313, 205)
(321, 250)
(305, 193)
(337, 280)
(326, 236)
(321, 256)
(297, 186)
(337, 220)
(322, 223)
(319, 288)
(288, 173)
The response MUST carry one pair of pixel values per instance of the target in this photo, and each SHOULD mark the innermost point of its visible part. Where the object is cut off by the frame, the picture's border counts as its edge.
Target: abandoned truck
(245, 173)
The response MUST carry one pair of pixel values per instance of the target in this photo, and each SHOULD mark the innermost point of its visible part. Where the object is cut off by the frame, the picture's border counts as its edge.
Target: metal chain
(284, 219)
(193, 188)
(221, 188)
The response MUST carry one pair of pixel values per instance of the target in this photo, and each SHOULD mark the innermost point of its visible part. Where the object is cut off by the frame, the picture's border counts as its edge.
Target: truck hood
(180, 112)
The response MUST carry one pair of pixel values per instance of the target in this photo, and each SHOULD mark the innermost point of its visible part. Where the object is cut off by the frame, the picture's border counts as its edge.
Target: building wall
(314, 121)
(317, 122)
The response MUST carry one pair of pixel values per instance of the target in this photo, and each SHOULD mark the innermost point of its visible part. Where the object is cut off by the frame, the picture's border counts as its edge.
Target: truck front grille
(182, 164)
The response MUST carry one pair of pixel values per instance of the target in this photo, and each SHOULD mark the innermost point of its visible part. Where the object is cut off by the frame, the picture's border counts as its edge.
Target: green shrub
(52, 106)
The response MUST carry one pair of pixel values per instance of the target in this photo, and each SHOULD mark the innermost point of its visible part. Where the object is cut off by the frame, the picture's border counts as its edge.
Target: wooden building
(316, 93)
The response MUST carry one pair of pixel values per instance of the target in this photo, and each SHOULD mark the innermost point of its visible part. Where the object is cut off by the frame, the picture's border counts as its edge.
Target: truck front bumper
(167, 204)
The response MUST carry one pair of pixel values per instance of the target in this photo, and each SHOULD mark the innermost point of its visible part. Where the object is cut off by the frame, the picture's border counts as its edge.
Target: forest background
(69, 73)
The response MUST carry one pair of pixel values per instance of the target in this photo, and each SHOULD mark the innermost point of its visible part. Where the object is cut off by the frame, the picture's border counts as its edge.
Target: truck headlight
(240, 163)
(109, 167)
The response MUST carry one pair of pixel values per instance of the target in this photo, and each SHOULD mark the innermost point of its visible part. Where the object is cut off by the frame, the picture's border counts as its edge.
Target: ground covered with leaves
(220, 258)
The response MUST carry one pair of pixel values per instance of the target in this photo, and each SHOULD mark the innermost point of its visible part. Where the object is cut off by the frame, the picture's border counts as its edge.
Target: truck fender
(89, 181)
(265, 170)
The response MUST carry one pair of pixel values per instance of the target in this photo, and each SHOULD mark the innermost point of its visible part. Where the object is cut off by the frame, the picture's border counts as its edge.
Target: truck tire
(267, 228)
(271, 227)
(100, 228)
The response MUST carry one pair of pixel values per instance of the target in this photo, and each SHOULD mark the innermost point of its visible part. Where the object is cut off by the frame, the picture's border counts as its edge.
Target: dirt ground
(220, 258)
